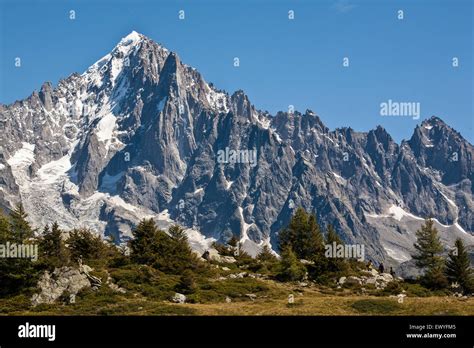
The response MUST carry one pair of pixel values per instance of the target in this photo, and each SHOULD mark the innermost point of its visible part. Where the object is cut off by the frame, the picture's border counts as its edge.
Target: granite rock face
(63, 280)
(140, 134)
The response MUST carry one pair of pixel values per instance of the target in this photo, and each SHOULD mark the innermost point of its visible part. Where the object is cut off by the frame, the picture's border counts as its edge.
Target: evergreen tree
(233, 241)
(16, 274)
(266, 261)
(331, 236)
(290, 268)
(86, 245)
(233, 244)
(458, 268)
(187, 282)
(168, 253)
(304, 236)
(178, 234)
(145, 236)
(4, 229)
(182, 256)
(428, 256)
(266, 255)
(52, 246)
(334, 264)
(19, 227)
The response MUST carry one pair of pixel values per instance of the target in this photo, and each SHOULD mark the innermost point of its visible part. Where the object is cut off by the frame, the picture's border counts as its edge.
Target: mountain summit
(140, 134)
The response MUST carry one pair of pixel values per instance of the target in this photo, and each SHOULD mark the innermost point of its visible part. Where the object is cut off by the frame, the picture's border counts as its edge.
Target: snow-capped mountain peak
(131, 39)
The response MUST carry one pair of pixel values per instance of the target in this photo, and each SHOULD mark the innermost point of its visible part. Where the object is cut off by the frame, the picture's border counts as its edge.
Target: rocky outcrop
(379, 280)
(64, 280)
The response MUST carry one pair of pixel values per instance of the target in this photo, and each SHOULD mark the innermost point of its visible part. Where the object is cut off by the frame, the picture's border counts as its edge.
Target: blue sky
(282, 62)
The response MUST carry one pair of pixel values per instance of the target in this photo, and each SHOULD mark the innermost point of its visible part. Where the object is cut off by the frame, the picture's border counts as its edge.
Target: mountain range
(138, 135)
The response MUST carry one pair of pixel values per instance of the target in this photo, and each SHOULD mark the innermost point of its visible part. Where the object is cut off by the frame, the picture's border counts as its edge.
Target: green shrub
(187, 283)
(290, 268)
(416, 290)
(217, 291)
(392, 288)
(15, 304)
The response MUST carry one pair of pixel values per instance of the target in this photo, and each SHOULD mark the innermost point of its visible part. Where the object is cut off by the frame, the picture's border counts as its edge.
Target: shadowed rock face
(139, 134)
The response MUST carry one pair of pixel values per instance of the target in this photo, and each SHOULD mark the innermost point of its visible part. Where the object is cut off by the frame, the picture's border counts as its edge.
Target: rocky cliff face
(140, 134)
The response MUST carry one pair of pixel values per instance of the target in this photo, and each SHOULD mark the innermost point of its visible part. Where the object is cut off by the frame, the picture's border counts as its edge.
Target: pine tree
(168, 253)
(458, 268)
(177, 233)
(428, 257)
(16, 274)
(182, 256)
(233, 241)
(233, 246)
(290, 268)
(187, 282)
(19, 227)
(332, 236)
(334, 264)
(304, 236)
(86, 245)
(266, 255)
(52, 246)
(4, 229)
(145, 235)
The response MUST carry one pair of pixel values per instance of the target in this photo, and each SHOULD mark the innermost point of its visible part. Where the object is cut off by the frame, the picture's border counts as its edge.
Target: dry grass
(273, 301)
(316, 304)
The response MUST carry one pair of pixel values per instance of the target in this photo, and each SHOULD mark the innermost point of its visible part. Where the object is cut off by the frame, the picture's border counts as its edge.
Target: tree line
(301, 249)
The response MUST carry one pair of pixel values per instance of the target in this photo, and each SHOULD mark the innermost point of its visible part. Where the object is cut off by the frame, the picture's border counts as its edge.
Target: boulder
(251, 296)
(114, 286)
(342, 280)
(178, 298)
(354, 280)
(227, 259)
(371, 273)
(213, 255)
(238, 275)
(370, 281)
(386, 277)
